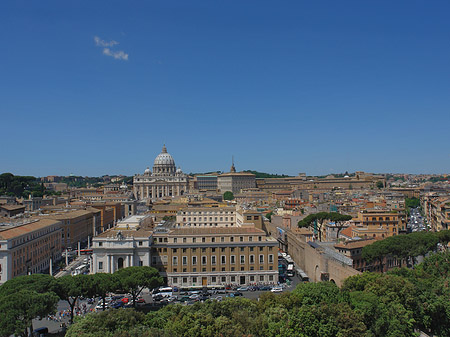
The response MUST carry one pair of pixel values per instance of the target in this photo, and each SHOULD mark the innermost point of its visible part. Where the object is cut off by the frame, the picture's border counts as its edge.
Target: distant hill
(266, 175)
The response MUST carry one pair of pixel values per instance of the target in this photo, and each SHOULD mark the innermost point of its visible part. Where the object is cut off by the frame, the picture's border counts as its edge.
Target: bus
(163, 291)
(302, 275)
(85, 251)
(290, 270)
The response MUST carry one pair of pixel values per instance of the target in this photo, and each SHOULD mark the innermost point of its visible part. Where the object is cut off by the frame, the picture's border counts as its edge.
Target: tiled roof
(355, 244)
(216, 230)
(26, 228)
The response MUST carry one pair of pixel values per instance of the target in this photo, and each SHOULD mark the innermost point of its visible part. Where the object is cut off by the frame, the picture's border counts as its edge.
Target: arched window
(120, 263)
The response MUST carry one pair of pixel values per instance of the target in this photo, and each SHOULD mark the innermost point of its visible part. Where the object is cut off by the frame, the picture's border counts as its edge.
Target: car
(242, 289)
(237, 293)
(184, 298)
(140, 300)
(218, 298)
(277, 289)
(125, 300)
(194, 296)
(117, 305)
(265, 288)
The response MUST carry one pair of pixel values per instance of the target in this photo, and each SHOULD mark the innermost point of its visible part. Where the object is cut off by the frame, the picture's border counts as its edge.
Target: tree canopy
(228, 195)
(320, 218)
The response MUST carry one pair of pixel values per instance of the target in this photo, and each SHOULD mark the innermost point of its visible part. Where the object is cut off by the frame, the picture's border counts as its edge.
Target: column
(108, 264)
(153, 191)
(112, 263)
(132, 260)
(142, 192)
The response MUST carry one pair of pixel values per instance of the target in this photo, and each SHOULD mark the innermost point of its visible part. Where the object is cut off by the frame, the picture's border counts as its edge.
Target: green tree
(380, 184)
(228, 195)
(134, 279)
(321, 217)
(23, 299)
(70, 288)
(269, 216)
(126, 322)
(102, 284)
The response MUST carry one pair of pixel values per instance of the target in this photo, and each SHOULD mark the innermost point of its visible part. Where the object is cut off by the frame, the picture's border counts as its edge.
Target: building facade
(187, 256)
(28, 248)
(165, 181)
(235, 181)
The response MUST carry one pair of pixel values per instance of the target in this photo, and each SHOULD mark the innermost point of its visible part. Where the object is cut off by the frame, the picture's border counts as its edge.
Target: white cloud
(101, 43)
(118, 55)
(107, 49)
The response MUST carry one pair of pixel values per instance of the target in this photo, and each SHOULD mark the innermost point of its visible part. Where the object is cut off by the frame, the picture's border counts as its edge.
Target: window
(232, 268)
(194, 239)
(250, 238)
(141, 263)
(194, 250)
(213, 250)
(242, 249)
(261, 278)
(231, 239)
(203, 239)
(232, 259)
(203, 250)
(175, 241)
(203, 270)
(251, 249)
(233, 279)
(224, 279)
(261, 249)
(242, 259)
(184, 240)
(194, 260)
(194, 279)
(213, 259)
(100, 265)
(204, 259)
(222, 239)
(174, 280)
(140, 243)
(249, 217)
(174, 250)
(184, 279)
(184, 260)
(232, 249)
(261, 258)
(270, 258)
(252, 278)
(213, 279)
(99, 244)
(252, 259)
(241, 238)
(175, 260)
(213, 239)
(259, 238)
(223, 259)
(184, 250)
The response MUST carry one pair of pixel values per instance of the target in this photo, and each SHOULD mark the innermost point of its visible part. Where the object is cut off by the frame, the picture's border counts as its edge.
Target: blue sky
(97, 87)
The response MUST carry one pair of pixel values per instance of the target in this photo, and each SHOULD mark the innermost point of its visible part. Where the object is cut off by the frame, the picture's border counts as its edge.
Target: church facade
(165, 180)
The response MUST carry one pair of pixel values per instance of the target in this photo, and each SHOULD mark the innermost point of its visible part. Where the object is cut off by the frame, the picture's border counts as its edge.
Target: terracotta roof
(71, 214)
(347, 231)
(216, 230)
(12, 207)
(355, 244)
(26, 228)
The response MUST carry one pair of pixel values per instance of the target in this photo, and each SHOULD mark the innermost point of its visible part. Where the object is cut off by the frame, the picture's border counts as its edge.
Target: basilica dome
(164, 164)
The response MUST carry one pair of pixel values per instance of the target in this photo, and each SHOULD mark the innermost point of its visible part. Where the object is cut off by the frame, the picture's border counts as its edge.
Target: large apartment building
(28, 247)
(192, 256)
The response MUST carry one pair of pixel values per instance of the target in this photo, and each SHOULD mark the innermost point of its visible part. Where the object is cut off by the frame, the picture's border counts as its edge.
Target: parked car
(242, 289)
(265, 288)
(237, 293)
(277, 289)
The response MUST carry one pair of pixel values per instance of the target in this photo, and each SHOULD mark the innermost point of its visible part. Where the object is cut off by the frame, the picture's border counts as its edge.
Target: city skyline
(318, 88)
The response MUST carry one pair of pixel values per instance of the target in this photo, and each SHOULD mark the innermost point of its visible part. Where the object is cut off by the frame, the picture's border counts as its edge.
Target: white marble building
(165, 181)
